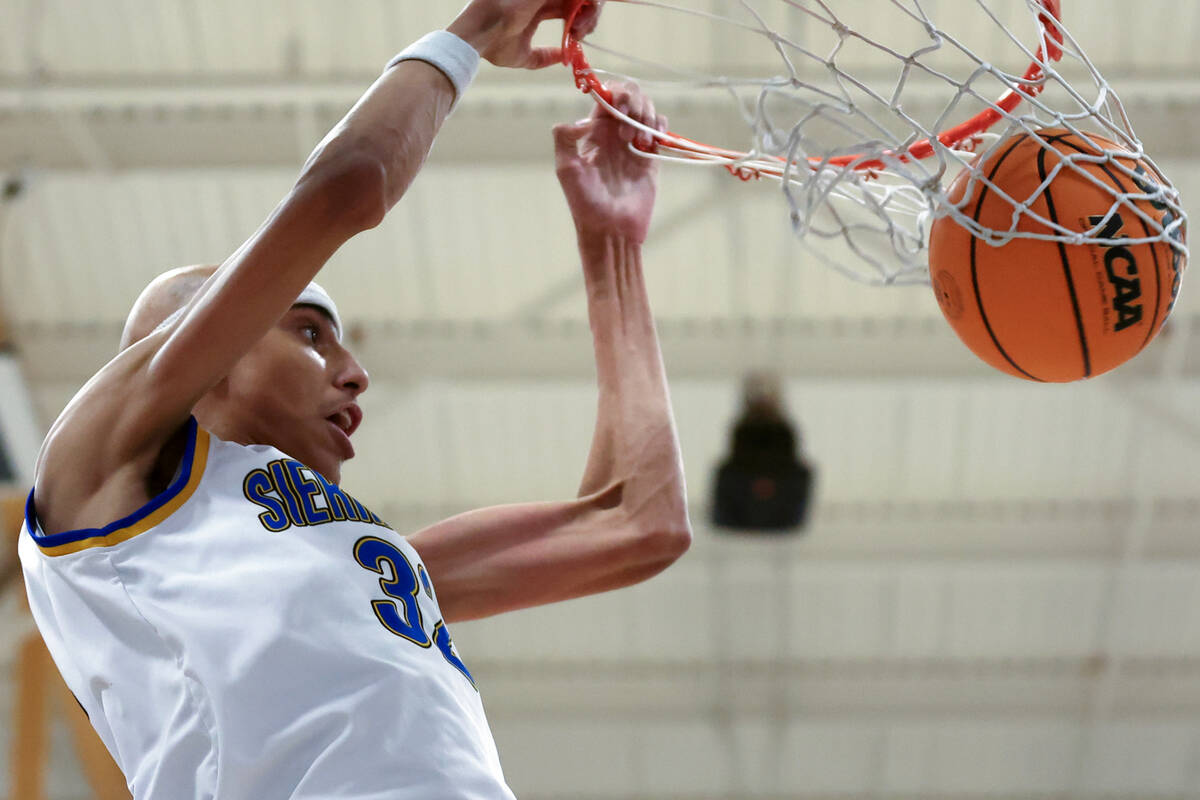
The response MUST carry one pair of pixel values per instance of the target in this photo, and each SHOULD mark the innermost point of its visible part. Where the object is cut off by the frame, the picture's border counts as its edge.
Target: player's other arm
(120, 421)
(629, 521)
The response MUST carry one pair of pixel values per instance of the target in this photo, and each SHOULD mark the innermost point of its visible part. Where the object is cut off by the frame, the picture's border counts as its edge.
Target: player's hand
(503, 30)
(610, 190)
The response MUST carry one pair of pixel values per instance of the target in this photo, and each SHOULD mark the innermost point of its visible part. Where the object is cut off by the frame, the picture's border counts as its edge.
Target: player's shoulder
(95, 465)
(106, 433)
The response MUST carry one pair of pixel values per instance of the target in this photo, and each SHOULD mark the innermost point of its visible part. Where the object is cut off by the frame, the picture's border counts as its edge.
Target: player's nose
(351, 375)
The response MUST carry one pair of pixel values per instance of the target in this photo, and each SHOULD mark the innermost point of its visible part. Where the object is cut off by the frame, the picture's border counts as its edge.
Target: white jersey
(254, 633)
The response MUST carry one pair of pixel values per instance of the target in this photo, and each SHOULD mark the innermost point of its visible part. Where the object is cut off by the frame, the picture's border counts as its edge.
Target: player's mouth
(345, 422)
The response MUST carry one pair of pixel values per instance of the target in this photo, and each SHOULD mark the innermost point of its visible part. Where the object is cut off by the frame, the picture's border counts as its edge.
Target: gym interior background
(997, 592)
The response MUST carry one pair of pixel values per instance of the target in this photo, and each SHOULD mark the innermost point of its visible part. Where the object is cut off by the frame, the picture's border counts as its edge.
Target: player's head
(294, 389)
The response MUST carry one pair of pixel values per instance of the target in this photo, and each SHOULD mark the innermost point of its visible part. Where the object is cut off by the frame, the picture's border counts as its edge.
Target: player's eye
(311, 332)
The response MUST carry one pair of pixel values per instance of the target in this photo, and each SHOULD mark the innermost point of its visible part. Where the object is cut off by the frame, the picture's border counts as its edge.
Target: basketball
(1047, 310)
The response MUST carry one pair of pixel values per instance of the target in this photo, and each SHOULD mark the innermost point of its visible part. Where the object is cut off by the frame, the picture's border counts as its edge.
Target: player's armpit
(504, 558)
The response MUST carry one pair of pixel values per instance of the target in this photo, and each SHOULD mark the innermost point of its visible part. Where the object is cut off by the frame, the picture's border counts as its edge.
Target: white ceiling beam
(75, 129)
(551, 87)
(498, 121)
(200, 93)
(873, 348)
(1075, 535)
(862, 691)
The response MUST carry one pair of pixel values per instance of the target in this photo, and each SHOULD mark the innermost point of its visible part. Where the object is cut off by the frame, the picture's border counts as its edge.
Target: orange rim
(1031, 86)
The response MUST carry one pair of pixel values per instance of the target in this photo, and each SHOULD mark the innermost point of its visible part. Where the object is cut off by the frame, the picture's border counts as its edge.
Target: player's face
(295, 390)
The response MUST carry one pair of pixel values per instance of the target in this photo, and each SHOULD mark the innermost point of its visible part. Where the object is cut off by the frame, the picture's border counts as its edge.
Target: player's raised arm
(630, 520)
(122, 419)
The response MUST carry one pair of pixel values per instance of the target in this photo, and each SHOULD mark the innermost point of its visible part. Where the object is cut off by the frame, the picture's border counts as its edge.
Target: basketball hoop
(746, 167)
(862, 172)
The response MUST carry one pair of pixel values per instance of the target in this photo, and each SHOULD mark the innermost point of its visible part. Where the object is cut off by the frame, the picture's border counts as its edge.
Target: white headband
(314, 295)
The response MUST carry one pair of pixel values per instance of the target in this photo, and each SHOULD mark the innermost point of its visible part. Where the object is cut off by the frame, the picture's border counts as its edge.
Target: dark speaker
(764, 484)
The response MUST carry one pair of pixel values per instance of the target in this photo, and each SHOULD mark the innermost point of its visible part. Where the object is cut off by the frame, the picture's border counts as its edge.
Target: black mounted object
(764, 484)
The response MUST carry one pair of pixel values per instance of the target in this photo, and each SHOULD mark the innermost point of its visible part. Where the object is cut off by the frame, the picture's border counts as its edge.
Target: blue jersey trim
(70, 537)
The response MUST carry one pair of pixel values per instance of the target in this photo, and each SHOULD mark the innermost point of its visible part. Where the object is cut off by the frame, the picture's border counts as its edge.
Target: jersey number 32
(401, 614)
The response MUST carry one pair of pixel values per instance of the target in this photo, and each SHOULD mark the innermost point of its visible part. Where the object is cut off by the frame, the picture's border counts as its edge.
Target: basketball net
(865, 111)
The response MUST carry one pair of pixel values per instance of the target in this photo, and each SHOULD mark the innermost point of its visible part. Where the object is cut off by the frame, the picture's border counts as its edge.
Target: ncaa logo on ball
(1121, 270)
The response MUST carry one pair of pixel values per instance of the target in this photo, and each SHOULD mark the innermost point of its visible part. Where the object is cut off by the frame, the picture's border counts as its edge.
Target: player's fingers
(627, 132)
(641, 106)
(622, 91)
(646, 115)
(629, 100)
(555, 9)
(624, 104)
(566, 143)
(568, 134)
(547, 16)
(542, 57)
(587, 20)
(615, 99)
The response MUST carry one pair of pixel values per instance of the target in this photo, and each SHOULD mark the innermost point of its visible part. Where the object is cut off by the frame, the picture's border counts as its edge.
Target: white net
(855, 107)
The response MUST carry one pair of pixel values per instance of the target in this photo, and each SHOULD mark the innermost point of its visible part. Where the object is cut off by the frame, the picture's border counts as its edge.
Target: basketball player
(239, 626)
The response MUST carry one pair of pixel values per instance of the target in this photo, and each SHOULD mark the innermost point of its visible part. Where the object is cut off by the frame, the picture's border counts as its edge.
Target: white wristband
(457, 60)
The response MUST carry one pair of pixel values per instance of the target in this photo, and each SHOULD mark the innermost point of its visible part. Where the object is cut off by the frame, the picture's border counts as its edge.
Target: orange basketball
(1045, 310)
